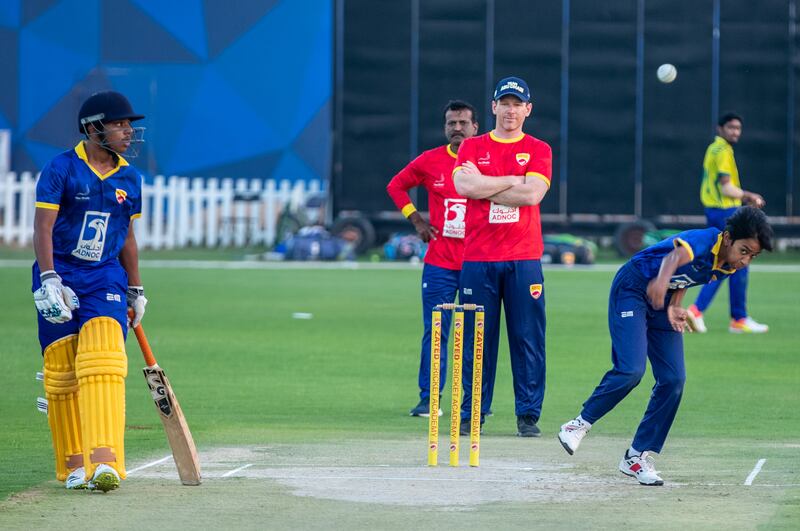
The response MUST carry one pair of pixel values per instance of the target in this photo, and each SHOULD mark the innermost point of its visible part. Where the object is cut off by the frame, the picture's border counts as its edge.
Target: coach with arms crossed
(505, 174)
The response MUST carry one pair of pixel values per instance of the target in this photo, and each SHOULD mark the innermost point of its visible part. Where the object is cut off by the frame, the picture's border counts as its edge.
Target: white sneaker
(748, 325)
(694, 318)
(642, 468)
(105, 479)
(572, 433)
(76, 479)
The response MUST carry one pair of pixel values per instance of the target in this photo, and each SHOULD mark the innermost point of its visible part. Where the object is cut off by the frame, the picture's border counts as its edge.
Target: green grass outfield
(262, 388)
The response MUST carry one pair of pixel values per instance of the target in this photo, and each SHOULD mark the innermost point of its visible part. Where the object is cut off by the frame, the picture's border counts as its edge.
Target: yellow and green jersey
(717, 163)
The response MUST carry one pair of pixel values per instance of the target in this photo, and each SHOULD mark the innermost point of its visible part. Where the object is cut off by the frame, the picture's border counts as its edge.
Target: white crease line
(148, 465)
(461, 479)
(755, 471)
(235, 470)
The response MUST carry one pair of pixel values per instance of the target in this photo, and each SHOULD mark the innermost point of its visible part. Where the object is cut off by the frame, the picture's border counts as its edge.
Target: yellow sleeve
(677, 242)
(538, 176)
(726, 165)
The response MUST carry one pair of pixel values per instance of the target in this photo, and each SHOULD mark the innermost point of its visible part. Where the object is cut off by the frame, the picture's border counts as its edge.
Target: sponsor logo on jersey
(626, 314)
(455, 213)
(503, 214)
(681, 281)
(92, 238)
(439, 182)
(83, 195)
(121, 195)
(536, 290)
(523, 158)
(484, 161)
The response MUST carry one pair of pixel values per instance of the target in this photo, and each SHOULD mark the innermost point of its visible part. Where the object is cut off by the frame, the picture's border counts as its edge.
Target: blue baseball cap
(514, 86)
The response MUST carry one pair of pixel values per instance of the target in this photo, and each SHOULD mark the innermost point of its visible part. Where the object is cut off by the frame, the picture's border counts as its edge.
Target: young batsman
(444, 233)
(646, 321)
(505, 174)
(85, 278)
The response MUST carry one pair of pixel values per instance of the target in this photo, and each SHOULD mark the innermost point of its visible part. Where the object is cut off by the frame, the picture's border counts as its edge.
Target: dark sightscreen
(465, 46)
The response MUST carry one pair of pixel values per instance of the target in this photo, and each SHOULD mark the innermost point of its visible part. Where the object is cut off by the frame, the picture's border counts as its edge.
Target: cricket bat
(180, 439)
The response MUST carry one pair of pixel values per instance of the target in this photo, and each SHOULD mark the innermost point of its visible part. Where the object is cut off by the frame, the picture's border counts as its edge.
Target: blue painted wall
(230, 88)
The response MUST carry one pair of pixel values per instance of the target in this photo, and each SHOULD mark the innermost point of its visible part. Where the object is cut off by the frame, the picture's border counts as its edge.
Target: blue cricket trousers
(519, 286)
(439, 286)
(737, 282)
(639, 332)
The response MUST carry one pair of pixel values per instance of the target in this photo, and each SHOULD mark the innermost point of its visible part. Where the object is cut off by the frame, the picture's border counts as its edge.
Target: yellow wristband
(408, 209)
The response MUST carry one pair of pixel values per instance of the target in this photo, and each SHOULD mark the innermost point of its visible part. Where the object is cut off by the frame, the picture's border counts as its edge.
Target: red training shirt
(498, 233)
(433, 169)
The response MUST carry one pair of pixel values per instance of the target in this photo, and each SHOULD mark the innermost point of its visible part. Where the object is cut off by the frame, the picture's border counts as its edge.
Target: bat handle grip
(144, 345)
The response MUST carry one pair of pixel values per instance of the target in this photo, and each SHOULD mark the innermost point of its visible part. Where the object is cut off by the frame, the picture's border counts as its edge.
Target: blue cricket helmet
(107, 106)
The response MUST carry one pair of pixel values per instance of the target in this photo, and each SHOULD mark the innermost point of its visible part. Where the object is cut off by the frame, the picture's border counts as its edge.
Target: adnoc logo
(93, 236)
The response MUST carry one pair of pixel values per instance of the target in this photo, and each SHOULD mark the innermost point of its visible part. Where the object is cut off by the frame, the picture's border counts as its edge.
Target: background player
(505, 174)
(444, 233)
(646, 320)
(85, 277)
(721, 194)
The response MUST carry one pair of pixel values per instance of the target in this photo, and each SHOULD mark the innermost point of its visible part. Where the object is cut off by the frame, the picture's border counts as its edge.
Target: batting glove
(137, 303)
(54, 301)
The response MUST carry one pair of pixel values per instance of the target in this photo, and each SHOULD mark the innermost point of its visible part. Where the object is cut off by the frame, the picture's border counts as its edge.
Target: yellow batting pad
(101, 366)
(61, 390)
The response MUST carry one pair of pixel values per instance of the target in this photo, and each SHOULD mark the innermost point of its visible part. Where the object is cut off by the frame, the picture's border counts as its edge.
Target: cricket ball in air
(667, 73)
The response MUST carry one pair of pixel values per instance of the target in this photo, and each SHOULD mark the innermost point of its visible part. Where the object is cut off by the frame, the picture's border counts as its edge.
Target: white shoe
(76, 479)
(572, 433)
(694, 318)
(104, 479)
(642, 468)
(748, 325)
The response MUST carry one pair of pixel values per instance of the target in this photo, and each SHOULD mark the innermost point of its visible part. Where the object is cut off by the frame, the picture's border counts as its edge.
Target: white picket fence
(178, 211)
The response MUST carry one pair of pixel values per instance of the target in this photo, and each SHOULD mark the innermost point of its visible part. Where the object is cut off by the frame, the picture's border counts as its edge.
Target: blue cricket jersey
(94, 209)
(703, 246)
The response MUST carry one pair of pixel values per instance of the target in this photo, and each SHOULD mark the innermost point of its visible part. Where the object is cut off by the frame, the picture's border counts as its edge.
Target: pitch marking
(148, 465)
(754, 472)
(235, 470)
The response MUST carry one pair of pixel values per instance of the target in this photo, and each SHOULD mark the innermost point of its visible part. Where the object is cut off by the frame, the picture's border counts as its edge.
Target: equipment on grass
(404, 246)
(477, 383)
(667, 73)
(567, 249)
(184, 452)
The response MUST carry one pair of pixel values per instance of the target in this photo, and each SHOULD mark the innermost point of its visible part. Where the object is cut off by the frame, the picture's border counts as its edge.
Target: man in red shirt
(504, 175)
(444, 233)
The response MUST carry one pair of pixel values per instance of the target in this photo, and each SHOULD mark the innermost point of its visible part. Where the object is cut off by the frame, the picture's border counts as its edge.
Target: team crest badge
(523, 158)
(536, 290)
(121, 195)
